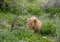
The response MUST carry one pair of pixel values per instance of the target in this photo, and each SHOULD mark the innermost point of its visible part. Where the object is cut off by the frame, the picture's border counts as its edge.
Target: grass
(25, 9)
(20, 33)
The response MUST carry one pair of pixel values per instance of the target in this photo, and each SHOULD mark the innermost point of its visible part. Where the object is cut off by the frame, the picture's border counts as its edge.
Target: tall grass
(57, 21)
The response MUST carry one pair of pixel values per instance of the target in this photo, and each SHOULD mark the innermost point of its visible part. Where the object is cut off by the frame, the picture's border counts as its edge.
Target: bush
(22, 34)
(21, 8)
(34, 9)
(48, 28)
(7, 36)
(52, 10)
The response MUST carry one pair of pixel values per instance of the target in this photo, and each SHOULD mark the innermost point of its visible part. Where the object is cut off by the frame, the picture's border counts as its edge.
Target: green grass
(25, 9)
(20, 32)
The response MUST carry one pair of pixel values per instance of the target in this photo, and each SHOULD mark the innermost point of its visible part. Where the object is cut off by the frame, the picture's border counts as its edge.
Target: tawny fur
(33, 23)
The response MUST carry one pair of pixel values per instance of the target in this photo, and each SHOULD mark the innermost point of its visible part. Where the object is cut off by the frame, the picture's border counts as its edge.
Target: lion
(33, 23)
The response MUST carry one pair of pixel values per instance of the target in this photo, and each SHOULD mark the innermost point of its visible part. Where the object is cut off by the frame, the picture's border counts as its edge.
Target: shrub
(7, 36)
(34, 9)
(52, 11)
(19, 35)
(48, 28)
